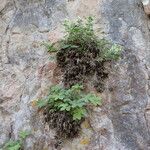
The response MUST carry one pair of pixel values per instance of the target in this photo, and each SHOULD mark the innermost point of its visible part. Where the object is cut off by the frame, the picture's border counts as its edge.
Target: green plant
(81, 54)
(50, 47)
(72, 100)
(12, 145)
(16, 144)
(81, 37)
(109, 51)
(80, 34)
(65, 109)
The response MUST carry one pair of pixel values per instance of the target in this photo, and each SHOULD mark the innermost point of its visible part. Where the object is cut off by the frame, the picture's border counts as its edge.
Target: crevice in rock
(11, 132)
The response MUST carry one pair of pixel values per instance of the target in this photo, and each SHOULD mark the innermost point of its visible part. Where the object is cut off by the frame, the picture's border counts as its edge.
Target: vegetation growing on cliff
(65, 109)
(80, 55)
(16, 144)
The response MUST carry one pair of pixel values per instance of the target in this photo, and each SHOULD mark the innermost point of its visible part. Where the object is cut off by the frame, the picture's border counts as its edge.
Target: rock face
(146, 4)
(26, 72)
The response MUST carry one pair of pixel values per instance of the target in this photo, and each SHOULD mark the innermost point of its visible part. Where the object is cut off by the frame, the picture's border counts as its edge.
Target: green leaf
(76, 90)
(64, 107)
(93, 99)
(68, 108)
(56, 89)
(41, 103)
(79, 113)
(77, 103)
(72, 101)
(12, 145)
(112, 53)
(15, 147)
(60, 96)
(65, 46)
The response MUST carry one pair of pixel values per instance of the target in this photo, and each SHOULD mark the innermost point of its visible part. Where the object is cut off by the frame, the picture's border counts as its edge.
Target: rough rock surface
(146, 5)
(123, 122)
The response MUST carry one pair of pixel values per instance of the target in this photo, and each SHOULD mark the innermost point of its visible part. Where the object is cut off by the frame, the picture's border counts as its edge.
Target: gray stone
(146, 4)
(123, 122)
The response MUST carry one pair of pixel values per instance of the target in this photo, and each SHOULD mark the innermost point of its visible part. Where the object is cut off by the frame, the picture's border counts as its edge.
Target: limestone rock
(146, 4)
(26, 72)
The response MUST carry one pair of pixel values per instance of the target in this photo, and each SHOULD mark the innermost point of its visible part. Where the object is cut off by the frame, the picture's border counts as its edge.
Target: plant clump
(81, 54)
(16, 144)
(65, 109)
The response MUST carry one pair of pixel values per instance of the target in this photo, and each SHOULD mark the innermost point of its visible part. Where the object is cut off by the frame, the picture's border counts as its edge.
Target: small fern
(65, 109)
(13, 145)
(16, 144)
(111, 52)
(72, 100)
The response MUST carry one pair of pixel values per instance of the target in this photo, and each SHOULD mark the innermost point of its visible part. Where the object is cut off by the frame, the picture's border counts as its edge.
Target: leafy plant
(80, 34)
(110, 51)
(80, 55)
(81, 37)
(12, 145)
(65, 109)
(72, 100)
(50, 47)
(16, 144)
